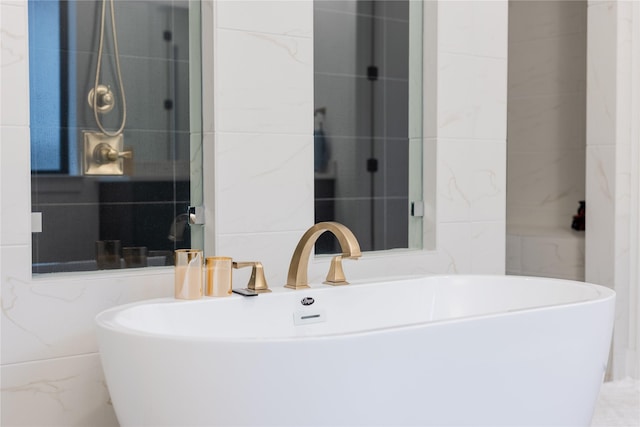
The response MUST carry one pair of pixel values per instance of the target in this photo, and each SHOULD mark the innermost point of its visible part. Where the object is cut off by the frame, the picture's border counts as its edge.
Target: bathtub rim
(105, 319)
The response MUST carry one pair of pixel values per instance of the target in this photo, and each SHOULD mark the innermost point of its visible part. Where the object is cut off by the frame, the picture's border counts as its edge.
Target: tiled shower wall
(258, 151)
(613, 167)
(546, 137)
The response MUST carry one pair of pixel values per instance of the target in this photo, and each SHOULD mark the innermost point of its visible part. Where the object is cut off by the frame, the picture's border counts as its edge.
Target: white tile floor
(618, 404)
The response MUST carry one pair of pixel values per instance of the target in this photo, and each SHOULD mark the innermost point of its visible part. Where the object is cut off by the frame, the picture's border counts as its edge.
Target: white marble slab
(288, 18)
(471, 180)
(472, 93)
(15, 64)
(266, 84)
(468, 27)
(546, 252)
(54, 316)
(69, 392)
(257, 193)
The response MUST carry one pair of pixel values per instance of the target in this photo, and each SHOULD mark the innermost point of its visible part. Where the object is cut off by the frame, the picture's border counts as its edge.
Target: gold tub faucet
(297, 276)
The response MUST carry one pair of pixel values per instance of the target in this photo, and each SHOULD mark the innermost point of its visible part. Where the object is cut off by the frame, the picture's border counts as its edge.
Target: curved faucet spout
(297, 276)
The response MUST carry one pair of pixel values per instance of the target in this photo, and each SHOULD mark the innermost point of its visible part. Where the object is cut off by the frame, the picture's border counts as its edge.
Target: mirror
(367, 117)
(115, 109)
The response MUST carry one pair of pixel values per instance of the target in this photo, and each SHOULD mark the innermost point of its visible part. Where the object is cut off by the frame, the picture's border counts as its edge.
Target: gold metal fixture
(257, 281)
(218, 270)
(297, 276)
(104, 154)
(188, 273)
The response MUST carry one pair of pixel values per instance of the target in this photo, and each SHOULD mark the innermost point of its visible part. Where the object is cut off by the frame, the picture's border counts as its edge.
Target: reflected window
(46, 89)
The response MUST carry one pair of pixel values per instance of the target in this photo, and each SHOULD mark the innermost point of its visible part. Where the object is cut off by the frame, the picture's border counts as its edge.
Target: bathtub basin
(436, 350)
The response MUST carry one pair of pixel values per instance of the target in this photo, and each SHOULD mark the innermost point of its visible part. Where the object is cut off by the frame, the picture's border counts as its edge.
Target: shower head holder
(104, 101)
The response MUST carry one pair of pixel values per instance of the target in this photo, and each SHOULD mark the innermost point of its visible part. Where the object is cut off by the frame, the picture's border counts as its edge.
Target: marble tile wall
(613, 108)
(546, 119)
(558, 254)
(546, 137)
(258, 185)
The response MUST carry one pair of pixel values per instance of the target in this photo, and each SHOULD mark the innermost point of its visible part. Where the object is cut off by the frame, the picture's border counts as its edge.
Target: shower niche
(115, 128)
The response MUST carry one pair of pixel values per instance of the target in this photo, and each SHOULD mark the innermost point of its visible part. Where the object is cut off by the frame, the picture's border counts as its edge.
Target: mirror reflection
(113, 112)
(361, 116)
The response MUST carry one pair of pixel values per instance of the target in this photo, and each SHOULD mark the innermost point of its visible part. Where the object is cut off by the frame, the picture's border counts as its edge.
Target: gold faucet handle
(257, 281)
(335, 276)
(104, 153)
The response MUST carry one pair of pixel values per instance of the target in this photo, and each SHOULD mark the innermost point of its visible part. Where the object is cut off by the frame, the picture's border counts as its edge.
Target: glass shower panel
(149, 85)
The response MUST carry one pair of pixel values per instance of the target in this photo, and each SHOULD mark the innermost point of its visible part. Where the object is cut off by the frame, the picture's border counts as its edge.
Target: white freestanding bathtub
(454, 350)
